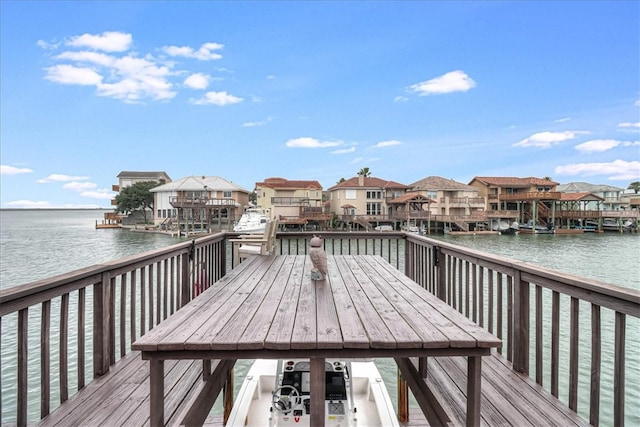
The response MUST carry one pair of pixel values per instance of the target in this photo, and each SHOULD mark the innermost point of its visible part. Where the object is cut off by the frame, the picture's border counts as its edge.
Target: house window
(432, 195)
(350, 194)
(376, 195)
(226, 194)
(373, 208)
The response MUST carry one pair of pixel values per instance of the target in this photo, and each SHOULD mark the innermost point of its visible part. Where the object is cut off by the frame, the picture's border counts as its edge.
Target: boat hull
(254, 405)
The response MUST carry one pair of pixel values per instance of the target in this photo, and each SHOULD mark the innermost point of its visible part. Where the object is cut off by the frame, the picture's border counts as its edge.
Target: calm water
(36, 244)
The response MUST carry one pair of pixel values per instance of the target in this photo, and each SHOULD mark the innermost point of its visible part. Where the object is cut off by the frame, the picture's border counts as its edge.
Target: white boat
(276, 393)
(253, 220)
(529, 227)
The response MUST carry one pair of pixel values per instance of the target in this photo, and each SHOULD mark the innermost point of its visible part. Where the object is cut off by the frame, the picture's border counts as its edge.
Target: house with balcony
(366, 202)
(525, 199)
(450, 197)
(294, 203)
(609, 198)
(127, 179)
(452, 202)
(198, 203)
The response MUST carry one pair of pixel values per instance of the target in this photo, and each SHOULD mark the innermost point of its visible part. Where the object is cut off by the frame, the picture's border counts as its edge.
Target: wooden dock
(132, 298)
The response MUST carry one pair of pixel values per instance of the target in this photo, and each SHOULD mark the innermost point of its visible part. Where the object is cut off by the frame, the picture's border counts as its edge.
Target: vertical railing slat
(555, 342)
(22, 380)
(64, 348)
(574, 331)
(619, 370)
(539, 342)
(45, 359)
(596, 359)
(82, 317)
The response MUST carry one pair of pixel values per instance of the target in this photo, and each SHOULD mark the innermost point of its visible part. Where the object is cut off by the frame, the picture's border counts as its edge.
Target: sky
(313, 90)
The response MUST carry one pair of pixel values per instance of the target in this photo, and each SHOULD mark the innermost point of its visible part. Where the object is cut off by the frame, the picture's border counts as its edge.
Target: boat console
(291, 402)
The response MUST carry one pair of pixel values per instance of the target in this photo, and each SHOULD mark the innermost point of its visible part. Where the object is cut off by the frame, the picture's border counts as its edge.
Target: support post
(156, 396)
(403, 399)
(101, 324)
(317, 392)
(474, 395)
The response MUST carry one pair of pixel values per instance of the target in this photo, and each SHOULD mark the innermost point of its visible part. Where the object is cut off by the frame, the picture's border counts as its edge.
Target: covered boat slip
(269, 308)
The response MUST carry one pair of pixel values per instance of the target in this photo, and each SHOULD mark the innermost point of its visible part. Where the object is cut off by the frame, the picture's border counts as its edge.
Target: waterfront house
(532, 198)
(609, 197)
(199, 203)
(366, 201)
(292, 202)
(450, 197)
(127, 179)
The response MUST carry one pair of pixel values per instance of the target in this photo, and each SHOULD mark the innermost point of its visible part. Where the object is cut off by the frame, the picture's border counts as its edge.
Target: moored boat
(277, 393)
(253, 220)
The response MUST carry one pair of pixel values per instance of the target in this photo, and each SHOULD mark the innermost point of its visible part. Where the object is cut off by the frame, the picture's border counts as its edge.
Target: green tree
(635, 186)
(341, 180)
(136, 197)
(364, 172)
(253, 197)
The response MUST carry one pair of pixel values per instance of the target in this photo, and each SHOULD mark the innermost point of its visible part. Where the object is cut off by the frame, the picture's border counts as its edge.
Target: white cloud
(388, 143)
(96, 58)
(562, 120)
(72, 75)
(205, 53)
(306, 142)
(453, 81)
(547, 139)
(344, 150)
(621, 170)
(258, 123)
(109, 41)
(11, 170)
(601, 145)
(197, 81)
(628, 126)
(61, 178)
(79, 186)
(364, 160)
(217, 98)
(400, 99)
(102, 60)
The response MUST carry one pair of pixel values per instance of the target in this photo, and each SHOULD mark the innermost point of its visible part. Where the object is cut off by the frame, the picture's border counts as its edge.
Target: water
(36, 244)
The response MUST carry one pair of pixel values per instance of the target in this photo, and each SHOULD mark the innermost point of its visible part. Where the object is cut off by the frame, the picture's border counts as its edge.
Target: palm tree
(635, 186)
(364, 172)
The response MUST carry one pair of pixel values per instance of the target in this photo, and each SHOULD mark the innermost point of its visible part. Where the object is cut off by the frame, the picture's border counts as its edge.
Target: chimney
(361, 180)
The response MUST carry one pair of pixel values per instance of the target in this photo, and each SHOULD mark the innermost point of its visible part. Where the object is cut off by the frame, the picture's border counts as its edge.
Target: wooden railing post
(185, 282)
(521, 304)
(439, 264)
(101, 324)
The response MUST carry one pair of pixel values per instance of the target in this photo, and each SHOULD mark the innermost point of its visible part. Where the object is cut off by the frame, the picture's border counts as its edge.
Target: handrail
(536, 311)
(112, 303)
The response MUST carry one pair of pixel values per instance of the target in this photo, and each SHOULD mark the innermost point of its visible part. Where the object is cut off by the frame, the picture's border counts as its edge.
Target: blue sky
(314, 90)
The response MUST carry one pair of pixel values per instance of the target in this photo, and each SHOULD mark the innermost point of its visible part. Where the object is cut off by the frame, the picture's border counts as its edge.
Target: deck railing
(569, 333)
(100, 310)
(578, 338)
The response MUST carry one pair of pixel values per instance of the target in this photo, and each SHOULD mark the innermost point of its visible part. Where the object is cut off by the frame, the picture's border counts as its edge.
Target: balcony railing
(200, 202)
(530, 195)
(290, 201)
